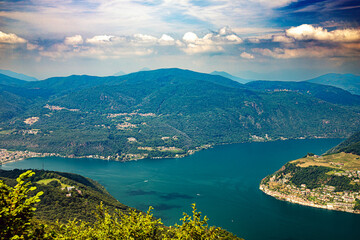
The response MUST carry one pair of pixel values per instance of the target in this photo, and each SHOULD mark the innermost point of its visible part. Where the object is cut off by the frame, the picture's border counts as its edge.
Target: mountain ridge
(349, 82)
(162, 113)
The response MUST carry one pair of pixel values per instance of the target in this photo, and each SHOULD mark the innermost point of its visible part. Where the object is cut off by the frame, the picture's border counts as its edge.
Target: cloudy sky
(263, 39)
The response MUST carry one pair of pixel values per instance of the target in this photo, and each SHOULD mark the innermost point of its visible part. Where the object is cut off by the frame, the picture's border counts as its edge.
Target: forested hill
(66, 195)
(350, 145)
(164, 113)
(349, 82)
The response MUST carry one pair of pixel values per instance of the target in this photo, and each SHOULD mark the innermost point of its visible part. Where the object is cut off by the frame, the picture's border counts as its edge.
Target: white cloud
(211, 42)
(193, 48)
(307, 52)
(308, 32)
(166, 40)
(276, 3)
(282, 39)
(246, 55)
(11, 38)
(74, 40)
(190, 37)
(100, 39)
(144, 39)
(233, 38)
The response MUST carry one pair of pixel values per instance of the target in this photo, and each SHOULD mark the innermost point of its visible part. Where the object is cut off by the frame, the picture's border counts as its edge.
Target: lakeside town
(325, 196)
(7, 156)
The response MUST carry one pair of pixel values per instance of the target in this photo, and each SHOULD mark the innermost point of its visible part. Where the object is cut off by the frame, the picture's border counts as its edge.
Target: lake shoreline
(22, 155)
(300, 201)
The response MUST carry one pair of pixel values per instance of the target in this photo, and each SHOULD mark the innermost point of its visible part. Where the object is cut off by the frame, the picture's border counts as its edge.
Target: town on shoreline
(329, 181)
(344, 201)
(7, 156)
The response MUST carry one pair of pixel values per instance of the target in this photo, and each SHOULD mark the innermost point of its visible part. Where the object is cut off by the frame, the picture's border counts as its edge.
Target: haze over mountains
(227, 75)
(19, 76)
(165, 113)
(349, 82)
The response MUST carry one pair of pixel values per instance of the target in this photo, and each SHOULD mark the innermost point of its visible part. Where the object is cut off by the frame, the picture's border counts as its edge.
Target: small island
(329, 181)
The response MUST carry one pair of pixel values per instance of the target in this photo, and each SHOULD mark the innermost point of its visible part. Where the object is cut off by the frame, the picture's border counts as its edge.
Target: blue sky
(263, 39)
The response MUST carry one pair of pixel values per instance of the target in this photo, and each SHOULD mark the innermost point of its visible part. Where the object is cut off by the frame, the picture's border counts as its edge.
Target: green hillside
(350, 145)
(166, 113)
(66, 195)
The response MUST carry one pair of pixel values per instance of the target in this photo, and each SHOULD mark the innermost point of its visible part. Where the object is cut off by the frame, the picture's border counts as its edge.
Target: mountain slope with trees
(166, 113)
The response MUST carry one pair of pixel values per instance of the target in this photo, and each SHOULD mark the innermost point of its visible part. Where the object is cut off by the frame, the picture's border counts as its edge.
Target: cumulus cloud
(309, 32)
(166, 40)
(74, 40)
(144, 39)
(246, 55)
(282, 39)
(309, 52)
(211, 42)
(11, 38)
(190, 37)
(307, 41)
(100, 39)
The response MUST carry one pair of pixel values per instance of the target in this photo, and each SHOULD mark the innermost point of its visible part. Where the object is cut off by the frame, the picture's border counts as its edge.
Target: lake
(223, 182)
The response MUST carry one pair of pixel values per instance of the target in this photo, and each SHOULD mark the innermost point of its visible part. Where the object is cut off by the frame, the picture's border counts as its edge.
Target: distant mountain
(327, 93)
(228, 75)
(119, 73)
(145, 69)
(10, 81)
(349, 82)
(350, 145)
(166, 113)
(17, 75)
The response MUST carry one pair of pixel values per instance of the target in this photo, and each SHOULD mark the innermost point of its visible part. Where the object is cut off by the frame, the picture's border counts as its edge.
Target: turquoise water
(223, 182)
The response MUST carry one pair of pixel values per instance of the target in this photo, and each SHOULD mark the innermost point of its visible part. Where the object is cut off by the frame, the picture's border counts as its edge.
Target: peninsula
(330, 182)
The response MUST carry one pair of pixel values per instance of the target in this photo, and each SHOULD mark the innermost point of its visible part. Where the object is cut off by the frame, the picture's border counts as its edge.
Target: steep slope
(349, 82)
(66, 195)
(350, 145)
(327, 93)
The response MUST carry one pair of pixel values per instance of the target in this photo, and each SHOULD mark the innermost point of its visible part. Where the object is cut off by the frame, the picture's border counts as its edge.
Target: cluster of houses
(68, 190)
(325, 196)
(10, 156)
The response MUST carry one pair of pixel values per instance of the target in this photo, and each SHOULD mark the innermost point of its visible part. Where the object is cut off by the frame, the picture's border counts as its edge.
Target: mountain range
(349, 82)
(229, 76)
(165, 113)
(17, 75)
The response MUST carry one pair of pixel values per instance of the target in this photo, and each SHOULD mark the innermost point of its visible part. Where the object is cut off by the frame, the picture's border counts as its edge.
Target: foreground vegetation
(18, 220)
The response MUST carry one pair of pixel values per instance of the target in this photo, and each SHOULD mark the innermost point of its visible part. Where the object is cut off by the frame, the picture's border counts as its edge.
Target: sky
(255, 39)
